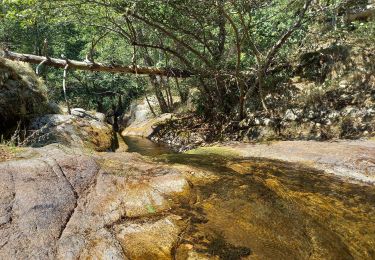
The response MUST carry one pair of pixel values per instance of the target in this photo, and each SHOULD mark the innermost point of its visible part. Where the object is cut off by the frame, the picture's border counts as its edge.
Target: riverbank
(349, 159)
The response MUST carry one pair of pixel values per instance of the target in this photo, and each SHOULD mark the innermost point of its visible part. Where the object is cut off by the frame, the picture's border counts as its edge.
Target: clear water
(145, 147)
(261, 209)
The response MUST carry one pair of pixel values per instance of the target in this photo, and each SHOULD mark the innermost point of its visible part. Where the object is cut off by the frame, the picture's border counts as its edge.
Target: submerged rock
(159, 238)
(348, 159)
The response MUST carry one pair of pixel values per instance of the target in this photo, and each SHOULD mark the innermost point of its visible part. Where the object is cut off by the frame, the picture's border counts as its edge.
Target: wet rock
(159, 237)
(187, 252)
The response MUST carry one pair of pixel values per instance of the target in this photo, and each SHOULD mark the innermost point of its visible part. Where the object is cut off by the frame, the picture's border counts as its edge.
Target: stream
(263, 209)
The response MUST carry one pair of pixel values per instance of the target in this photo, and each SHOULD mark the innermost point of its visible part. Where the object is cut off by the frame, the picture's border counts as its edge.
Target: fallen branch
(81, 65)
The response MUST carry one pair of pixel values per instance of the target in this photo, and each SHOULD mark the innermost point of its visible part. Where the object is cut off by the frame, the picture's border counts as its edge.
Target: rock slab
(62, 204)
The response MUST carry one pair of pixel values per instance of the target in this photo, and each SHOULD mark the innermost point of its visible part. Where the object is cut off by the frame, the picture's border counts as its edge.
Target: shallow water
(146, 147)
(263, 209)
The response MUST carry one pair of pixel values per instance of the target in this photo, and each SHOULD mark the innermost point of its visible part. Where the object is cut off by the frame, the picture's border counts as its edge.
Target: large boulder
(81, 129)
(140, 121)
(145, 128)
(139, 111)
(22, 95)
(127, 188)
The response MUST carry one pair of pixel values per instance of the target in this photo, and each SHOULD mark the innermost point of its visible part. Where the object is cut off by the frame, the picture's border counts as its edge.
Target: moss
(9, 152)
(113, 167)
(184, 134)
(24, 72)
(217, 150)
(98, 139)
(23, 95)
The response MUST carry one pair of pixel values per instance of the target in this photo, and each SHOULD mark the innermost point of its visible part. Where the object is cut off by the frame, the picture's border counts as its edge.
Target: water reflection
(145, 147)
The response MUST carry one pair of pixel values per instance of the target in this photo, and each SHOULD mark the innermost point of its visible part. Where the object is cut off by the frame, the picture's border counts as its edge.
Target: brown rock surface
(63, 204)
(37, 200)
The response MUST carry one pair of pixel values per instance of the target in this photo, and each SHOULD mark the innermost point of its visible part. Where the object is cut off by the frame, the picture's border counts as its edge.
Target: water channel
(262, 209)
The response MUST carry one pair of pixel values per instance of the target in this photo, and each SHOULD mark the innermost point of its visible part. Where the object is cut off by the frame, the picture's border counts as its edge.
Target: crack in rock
(59, 172)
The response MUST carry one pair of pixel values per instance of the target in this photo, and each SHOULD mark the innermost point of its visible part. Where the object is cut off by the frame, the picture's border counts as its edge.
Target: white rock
(267, 121)
(333, 114)
(290, 115)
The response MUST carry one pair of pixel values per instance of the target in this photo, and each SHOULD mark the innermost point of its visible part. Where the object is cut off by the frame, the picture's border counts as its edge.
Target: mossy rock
(22, 96)
(216, 150)
(73, 131)
(8, 152)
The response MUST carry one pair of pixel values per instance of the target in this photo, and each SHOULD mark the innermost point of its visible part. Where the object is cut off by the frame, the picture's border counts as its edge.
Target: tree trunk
(260, 87)
(100, 107)
(242, 100)
(183, 94)
(159, 94)
(149, 105)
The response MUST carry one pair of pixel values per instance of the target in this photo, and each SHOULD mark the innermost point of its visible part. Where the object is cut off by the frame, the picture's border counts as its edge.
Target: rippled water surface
(263, 209)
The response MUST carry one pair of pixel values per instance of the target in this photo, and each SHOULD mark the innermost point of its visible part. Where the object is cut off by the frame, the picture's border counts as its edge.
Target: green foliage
(227, 44)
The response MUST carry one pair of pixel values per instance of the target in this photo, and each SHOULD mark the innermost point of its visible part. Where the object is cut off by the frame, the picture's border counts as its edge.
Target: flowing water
(262, 209)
